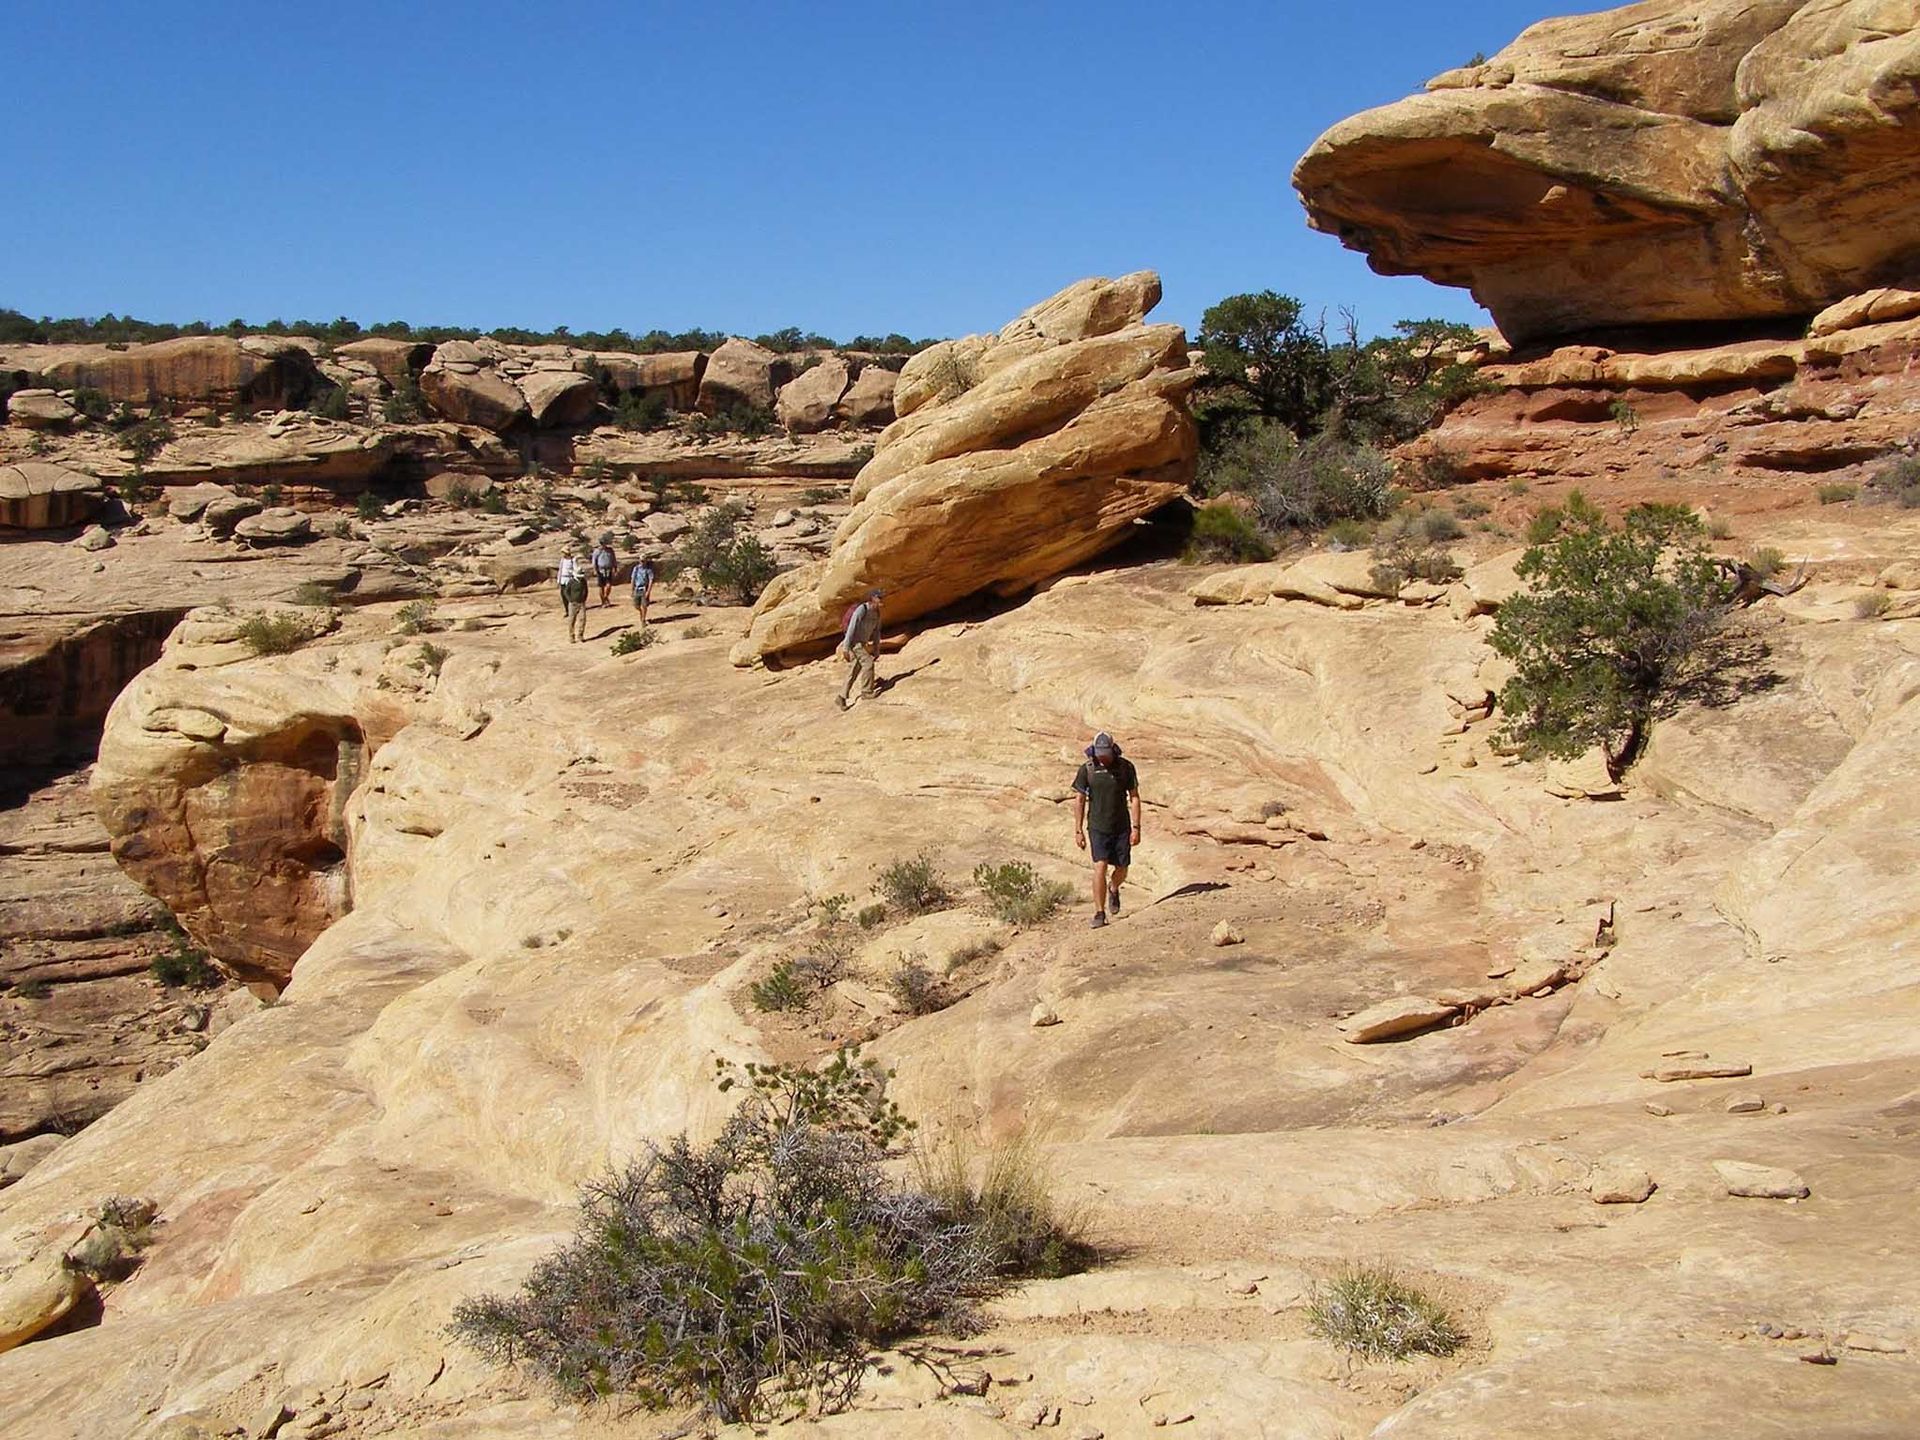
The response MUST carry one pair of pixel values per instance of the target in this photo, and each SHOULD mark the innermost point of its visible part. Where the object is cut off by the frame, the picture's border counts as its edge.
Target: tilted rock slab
(1044, 449)
(1667, 161)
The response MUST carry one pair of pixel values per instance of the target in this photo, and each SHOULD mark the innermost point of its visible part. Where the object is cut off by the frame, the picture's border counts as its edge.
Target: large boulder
(806, 402)
(281, 525)
(40, 410)
(673, 376)
(559, 397)
(868, 403)
(292, 448)
(1669, 161)
(38, 495)
(201, 369)
(394, 360)
(741, 373)
(463, 386)
(1008, 483)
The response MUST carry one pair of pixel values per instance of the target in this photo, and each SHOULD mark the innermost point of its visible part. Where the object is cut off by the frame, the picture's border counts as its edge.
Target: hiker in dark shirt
(860, 644)
(1106, 820)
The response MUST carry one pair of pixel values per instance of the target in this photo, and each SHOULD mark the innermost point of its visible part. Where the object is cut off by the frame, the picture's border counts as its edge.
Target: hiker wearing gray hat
(1106, 820)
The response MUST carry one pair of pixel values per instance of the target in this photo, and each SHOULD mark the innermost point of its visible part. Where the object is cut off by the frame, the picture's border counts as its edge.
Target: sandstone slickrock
(209, 369)
(742, 373)
(1038, 467)
(39, 495)
(36, 1295)
(1390, 1019)
(1669, 161)
(39, 410)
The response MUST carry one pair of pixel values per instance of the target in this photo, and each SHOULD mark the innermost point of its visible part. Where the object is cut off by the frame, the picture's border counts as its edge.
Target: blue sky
(847, 168)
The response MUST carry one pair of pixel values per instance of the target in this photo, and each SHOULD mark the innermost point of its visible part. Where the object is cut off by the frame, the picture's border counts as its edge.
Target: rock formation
(742, 374)
(1016, 457)
(39, 495)
(1670, 161)
(807, 402)
(259, 371)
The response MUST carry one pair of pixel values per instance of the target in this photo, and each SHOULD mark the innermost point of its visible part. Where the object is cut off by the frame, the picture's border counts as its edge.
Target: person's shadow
(882, 686)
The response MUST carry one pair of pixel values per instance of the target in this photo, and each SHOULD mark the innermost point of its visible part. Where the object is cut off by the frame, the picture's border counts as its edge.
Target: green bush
(334, 402)
(1623, 415)
(122, 1229)
(1838, 494)
(1613, 621)
(915, 988)
(405, 404)
(730, 561)
(1370, 1311)
(1300, 486)
(748, 421)
(1005, 1198)
(631, 640)
(1766, 562)
(92, 403)
(367, 505)
(912, 887)
(145, 439)
(1018, 894)
(271, 495)
(1223, 532)
(1898, 481)
(780, 989)
(870, 916)
(185, 966)
(753, 1276)
(416, 617)
(313, 594)
(1469, 507)
(638, 411)
(272, 634)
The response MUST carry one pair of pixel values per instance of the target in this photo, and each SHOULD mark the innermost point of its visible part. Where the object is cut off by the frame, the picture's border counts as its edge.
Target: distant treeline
(19, 329)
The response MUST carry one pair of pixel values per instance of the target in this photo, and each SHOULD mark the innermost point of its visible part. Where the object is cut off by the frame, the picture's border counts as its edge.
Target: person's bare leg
(1100, 886)
(1116, 880)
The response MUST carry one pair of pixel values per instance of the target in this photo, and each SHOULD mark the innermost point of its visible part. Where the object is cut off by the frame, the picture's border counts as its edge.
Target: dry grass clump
(1017, 893)
(1005, 1196)
(1370, 1311)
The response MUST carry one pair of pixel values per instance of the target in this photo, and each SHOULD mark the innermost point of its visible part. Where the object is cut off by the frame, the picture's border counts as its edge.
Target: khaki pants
(576, 620)
(859, 673)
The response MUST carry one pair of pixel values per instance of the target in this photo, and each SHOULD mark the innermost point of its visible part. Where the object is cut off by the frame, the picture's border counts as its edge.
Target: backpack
(574, 587)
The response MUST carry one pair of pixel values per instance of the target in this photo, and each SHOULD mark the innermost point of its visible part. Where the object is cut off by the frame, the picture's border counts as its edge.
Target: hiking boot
(841, 701)
(1099, 918)
(1113, 902)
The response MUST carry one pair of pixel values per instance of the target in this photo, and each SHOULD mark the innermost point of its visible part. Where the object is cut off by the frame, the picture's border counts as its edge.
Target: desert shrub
(915, 988)
(405, 404)
(144, 439)
(416, 617)
(463, 495)
(780, 989)
(313, 594)
(271, 495)
(122, 1229)
(730, 561)
(1435, 526)
(1302, 486)
(1898, 481)
(638, 411)
(367, 505)
(185, 966)
(331, 403)
(1017, 892)
(1719, 528)
(271, 634)
(1519, 485)
(1397, 562)
(1348, 534)
(1223, 532)
(1259, 345)
(1872, 605)
(1766, 562)
(819, 495)
(953, 374)
(870, 916)
(1614, 620)
(1838, 494)
(92, 403)
(751, 1276)
(1005, 1197)
(1625, 418)
(33, 989)
(912, 887)
(631, 640)
(433, 658)
(1372, 1312)
(1469, 507)
(748, 421)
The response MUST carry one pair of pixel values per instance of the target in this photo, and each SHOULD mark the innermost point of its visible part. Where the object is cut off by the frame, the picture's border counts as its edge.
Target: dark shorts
(1115, 848)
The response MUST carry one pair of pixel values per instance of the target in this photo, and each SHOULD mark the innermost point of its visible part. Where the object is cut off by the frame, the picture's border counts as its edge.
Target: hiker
(642, 586)
(605, 565)
(1106, 816)
(573, 595)
(567, 564)
(860, 647)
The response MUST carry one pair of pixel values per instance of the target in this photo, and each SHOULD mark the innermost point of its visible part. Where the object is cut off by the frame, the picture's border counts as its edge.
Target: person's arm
(1133, 800)
(848, 640)
(1080, 819)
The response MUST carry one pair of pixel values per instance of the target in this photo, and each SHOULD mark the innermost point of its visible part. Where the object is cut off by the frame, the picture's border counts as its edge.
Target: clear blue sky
(865, 166)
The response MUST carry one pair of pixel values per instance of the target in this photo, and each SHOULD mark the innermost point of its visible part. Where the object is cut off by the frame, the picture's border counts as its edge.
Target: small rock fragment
(1043, 1015)
(1391, 1018)
(1226, 933)
(1746, 1105)
(1654, 1107)
(1702, 1070)
(1874, 1344)
(1760, 1182)
(1616, 1182)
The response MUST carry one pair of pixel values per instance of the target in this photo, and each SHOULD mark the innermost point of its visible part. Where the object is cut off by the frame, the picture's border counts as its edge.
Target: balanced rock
(1403, 1015)
(806, 402)
(189, 502)
(1036, 468)
(741, 373)
(220, 516)
(1670, 161)
(281, 525)
(38, 495)
(40, 410)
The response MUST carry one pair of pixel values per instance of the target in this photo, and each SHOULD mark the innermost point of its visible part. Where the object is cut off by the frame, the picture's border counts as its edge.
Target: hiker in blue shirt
(643, 586)
(606, 565)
